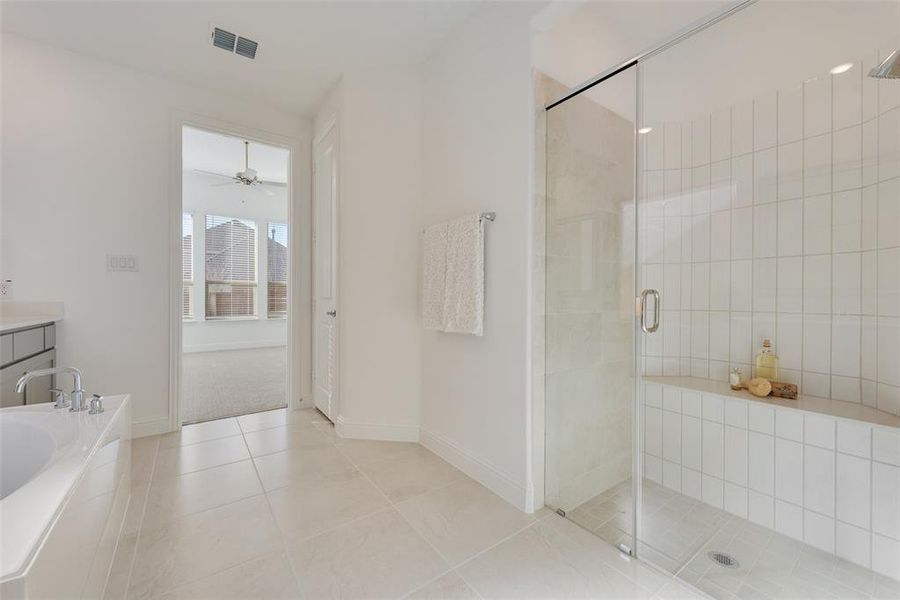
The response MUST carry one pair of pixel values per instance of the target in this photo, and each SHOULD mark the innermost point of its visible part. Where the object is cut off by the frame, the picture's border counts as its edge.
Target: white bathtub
(64, 487)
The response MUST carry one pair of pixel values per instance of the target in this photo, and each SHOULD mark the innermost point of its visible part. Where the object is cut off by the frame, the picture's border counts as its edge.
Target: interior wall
(204, 194)
(86, 154)
(379, 116)
(478, 136)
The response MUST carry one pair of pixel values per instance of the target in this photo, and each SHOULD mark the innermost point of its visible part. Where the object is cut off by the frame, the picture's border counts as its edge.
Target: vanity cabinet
(27, 349)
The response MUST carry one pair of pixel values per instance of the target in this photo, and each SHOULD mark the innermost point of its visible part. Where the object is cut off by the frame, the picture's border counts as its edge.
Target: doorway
(235, 263)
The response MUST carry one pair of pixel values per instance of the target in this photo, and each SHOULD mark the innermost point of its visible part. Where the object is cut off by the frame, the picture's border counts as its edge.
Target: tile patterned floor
(275, 505)
(679, 533)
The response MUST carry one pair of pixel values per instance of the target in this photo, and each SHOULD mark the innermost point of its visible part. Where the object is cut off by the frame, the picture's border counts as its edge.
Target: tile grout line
(393, 506)
(268, 503)
(150, 484)
(281, 535)
(834, 491)
(193, 580)
(140, 527)
(452, 568)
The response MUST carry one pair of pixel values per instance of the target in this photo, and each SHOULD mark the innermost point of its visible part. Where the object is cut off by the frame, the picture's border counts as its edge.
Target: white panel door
(325, 318)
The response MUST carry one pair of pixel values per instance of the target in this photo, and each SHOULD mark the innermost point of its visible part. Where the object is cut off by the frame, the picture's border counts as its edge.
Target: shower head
(889, 67)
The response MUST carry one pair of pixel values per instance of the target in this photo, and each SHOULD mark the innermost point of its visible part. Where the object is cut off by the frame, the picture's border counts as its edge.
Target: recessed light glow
(841, 68)
(645, 130)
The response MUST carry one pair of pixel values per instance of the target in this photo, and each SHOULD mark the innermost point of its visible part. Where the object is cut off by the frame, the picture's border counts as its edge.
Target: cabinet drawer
(6, 349)
(49, 336)
(28, 342)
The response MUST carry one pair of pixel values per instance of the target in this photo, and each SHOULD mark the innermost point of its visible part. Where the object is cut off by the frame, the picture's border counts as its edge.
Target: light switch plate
(121, 262)
(6, 288)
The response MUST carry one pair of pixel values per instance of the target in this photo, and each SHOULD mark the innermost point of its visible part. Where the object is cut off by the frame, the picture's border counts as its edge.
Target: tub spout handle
(60, 398)
(96, 405)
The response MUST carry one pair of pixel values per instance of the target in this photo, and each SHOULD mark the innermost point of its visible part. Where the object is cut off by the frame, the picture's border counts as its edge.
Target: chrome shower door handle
(644, 295)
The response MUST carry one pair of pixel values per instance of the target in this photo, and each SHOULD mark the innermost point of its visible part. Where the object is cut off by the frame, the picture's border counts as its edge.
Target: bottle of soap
(767, 362)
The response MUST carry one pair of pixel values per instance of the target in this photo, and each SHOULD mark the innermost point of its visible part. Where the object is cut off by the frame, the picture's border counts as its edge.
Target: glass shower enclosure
(590, 360)
(739, 182)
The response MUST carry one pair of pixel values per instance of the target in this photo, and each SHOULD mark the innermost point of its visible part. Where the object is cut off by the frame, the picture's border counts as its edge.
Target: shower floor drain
(725, 560)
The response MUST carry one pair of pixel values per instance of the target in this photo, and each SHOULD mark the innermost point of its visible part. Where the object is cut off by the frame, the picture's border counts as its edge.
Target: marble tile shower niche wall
(779, 218)
(589, 289)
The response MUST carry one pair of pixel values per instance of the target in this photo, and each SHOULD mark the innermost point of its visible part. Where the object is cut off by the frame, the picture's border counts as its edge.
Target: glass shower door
(590, 324)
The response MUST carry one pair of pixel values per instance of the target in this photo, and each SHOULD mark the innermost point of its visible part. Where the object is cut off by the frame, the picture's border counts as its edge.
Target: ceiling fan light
(248, 175)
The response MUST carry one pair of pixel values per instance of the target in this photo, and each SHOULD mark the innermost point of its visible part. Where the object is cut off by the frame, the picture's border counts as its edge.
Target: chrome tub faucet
(76, 397)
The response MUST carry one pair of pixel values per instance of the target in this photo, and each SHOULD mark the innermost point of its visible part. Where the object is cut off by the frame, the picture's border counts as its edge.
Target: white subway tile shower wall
(831, 483)
(780, 218)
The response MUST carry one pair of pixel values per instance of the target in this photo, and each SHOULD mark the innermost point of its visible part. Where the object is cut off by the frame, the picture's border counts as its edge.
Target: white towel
(434, 273)
(453, 276)
(464, 279)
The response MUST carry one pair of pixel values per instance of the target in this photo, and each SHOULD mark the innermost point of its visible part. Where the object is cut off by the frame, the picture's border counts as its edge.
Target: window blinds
(187, 265)
(230, 267)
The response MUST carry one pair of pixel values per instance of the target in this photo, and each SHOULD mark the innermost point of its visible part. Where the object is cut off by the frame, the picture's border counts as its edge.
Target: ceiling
(223, 154)
(304, 47)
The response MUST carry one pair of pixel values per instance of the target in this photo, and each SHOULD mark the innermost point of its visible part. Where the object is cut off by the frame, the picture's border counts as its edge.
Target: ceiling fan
(246, 177)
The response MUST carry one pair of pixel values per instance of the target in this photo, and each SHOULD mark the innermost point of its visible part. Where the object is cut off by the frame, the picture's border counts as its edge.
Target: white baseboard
(234, 346)
(371, 431)
(502, 484)
(145, 428)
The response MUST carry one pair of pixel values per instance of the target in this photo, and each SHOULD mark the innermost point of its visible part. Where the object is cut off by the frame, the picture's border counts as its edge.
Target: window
(277, 254)
(187, 265)
(230, 268)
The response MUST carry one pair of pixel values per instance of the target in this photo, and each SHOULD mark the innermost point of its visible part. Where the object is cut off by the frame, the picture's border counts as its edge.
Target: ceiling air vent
(223, 39)
(246, 47)
(233, 43)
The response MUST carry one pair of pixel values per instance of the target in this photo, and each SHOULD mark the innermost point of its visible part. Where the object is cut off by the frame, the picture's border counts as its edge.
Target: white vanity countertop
(11, 323)
(19, 315)
(813, 404)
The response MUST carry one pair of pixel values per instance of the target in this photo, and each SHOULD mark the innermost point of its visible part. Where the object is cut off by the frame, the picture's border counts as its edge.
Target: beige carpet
(233, 382)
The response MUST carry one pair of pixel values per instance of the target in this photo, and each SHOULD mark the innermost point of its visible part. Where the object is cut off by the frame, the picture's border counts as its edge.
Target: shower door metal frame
(676, 38)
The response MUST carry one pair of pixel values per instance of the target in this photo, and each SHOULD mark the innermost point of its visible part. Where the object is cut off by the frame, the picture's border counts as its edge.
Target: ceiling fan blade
(212, 173)
(221, 184)
(273, 183)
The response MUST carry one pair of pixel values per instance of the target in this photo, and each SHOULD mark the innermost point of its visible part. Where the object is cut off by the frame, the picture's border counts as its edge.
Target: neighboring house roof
(278, 261)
